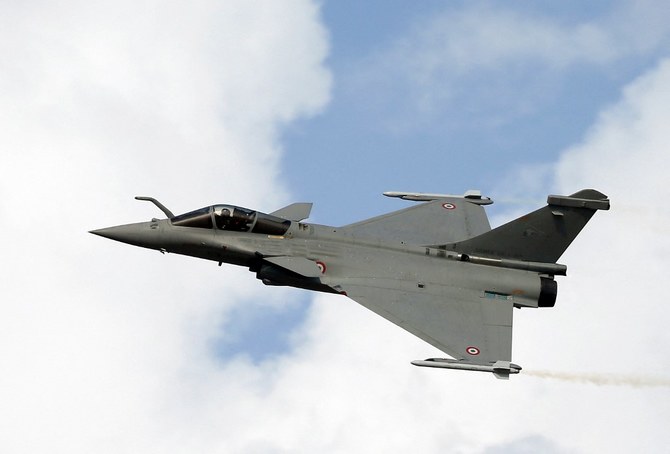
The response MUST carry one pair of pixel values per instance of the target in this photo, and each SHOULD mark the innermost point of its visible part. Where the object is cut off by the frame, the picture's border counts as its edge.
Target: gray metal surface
(540, 236)
(294, 211)
(434, 269)
(438, 221)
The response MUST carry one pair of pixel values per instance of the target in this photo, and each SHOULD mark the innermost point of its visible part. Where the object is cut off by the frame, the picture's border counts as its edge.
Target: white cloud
(99, 102)
(625, 154)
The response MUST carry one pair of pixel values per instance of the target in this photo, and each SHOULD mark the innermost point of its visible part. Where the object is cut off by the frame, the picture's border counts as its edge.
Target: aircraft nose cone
(113, 233)
(143, 234)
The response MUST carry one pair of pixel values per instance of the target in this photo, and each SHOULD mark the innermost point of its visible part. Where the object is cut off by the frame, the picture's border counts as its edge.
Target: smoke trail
(634, 381)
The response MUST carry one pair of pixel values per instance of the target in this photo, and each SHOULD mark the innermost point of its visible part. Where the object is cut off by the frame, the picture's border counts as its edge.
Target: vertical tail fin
(540, 236)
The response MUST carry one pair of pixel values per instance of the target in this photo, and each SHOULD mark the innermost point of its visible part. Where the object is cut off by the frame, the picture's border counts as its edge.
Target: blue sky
(521, 111)
(114, 349)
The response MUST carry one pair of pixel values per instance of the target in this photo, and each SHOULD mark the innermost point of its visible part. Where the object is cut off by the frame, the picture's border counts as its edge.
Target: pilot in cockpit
(223, 218)
(234, 218)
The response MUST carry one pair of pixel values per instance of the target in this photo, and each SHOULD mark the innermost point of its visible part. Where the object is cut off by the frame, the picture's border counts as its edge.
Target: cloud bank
(103, 348)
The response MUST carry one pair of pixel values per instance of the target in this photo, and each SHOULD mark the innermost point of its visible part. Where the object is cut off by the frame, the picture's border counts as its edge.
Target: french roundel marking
(474, 351)
(322, 266)
(448, 206)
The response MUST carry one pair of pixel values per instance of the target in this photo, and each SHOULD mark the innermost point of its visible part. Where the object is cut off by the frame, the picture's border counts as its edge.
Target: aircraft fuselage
(437, 269)
(339, 257)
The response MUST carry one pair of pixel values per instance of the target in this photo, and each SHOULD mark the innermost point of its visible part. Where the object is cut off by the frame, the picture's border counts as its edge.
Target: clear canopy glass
(233, 218)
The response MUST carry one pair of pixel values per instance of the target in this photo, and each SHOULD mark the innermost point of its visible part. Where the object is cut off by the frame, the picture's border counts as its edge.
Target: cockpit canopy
(232, 218)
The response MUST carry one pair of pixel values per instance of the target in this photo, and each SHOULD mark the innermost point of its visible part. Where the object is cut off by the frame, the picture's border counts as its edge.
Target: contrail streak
(602, 379)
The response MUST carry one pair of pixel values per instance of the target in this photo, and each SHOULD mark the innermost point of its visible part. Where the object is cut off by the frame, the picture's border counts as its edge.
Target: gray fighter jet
(435, 269)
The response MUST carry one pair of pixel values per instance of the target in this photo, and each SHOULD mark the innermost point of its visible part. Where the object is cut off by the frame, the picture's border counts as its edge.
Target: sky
(109, 348)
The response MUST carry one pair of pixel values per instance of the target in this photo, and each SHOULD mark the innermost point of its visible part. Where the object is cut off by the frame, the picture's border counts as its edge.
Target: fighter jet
(435, 269)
